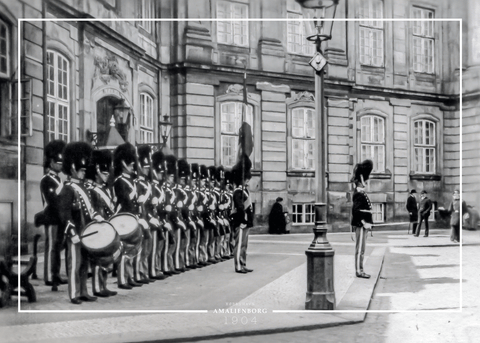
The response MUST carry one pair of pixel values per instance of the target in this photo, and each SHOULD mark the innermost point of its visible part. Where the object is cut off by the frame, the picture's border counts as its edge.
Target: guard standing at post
(102, 202)
(76, 211)
(124, 160)
(50, 187)
(224, 214)
(361, 214)
(242, 213)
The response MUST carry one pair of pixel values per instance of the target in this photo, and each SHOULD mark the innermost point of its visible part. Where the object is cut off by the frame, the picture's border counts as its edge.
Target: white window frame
(423, 143)
(298, 31)
(58, 96)
(371, 33)
(232, 32)
(147, 12)
(423, 41)
(378, 212)
(229, 130)
(303, 138)
(5, 41)
(147, 118)
(302, 214)
(372, 144)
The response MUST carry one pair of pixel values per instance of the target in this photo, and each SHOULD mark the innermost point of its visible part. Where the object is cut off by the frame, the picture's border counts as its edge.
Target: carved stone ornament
(303, 96)
(106, 68)
(236, 89)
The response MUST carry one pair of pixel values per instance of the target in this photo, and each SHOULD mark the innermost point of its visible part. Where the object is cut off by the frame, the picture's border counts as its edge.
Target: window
(424, 146)
(298, 31)
(378, 212)
(303, 138)
(147, 11)
(303, 214)
(371, 33)
(232, 32)
(373, 141)
(423, 41)
(146, 118)
(58, 112)
(4, 50)
(231, 120)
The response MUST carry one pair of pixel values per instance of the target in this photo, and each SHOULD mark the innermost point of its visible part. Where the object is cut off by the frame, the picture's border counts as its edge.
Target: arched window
(231, 120)
(372, 141)
(303, 138)
(424, 146)
(146, 118)
(4, 49)
(58, 96)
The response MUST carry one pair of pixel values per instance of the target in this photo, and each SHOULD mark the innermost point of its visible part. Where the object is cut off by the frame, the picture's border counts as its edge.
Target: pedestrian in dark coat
(456, 211)
(412, 208)
(276, 219)
(423, 213)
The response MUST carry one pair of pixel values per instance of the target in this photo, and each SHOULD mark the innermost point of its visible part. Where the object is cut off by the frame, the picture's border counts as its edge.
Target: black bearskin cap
(203, 172)
(241, 170)
(171, 165)
(183, 168)
(212, 170)
(144, 155)
(102, 159)
(54, 150)
(220, 174)
(364, 168)
(77, 153)
(195, 171)
(124, 152)
(158, 159)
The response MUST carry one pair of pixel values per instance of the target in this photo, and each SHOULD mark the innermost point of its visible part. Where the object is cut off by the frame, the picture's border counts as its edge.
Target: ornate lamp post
(320, 282)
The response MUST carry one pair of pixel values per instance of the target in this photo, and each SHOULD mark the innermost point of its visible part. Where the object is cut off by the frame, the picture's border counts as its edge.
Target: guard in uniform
(229, 187)
(145, 196)
(242, 213)
(176, 216)
(190, 213)
(361, 214)
(102, 202)
(219, 199)
(223, 213)
(76, 211)
(202, 211)
(50, 187)
(210, 219)
(125, 189)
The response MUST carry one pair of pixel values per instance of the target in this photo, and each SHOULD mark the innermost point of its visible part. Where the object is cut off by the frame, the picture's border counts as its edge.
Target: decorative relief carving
(106, 69)
(237, 89)
(302, 96)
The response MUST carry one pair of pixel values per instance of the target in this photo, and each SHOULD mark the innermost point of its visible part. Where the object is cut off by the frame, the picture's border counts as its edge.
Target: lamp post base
(320, 282)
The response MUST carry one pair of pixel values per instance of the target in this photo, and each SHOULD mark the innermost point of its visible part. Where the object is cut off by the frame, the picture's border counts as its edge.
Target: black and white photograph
(239, 171)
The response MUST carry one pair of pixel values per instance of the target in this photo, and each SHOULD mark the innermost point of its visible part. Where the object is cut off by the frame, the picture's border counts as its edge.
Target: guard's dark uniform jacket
(242, 211)
(102, 200)
(125, 187)
(50, 187)
(361, 202)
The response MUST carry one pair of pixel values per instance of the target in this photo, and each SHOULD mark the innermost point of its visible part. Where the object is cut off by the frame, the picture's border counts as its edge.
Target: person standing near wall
(276, 219)
(456, 211)
(412, 208)
(423, 213)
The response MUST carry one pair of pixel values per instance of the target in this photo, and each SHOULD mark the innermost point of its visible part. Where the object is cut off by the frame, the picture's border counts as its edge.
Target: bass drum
(128, 228)
(100, 239)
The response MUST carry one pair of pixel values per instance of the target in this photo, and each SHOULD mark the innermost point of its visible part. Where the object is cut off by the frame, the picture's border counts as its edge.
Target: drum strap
(84, 196)
(105, 198)
(132, 187)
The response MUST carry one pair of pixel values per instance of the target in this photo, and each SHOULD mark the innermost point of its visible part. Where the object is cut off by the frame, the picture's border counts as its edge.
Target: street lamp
(320, 282)
(165, 127)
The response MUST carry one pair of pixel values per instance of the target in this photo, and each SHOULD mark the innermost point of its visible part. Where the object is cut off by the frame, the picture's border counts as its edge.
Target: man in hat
(361, 214)
(50, 187)
(412, 209)
(76, 211)
(242, 213)
(202, 210)
(160, 235)
(125, 187)
(102, 202)
(423, 213)
(276, 219)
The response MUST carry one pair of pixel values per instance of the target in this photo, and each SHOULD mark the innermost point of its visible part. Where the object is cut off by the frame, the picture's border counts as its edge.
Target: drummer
(76, 211)
(159, 236)
(124, 159)
(102, 202)
(144, 189)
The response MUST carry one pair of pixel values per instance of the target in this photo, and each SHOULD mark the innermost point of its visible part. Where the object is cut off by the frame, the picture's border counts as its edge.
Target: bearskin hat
(195, 171)
(220, 174)
(102, 159)
(203, 172)
(124, 152)
(78, 154)
(158, 159)
(183, 168)
(212, 170)
(54, 151)
(242, 170)
(171, 165)
(364, 169)
(144, 155)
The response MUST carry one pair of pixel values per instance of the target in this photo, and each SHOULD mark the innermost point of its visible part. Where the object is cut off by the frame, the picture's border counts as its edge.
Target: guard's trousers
(360, 239)
(77, 260)
(240, 250)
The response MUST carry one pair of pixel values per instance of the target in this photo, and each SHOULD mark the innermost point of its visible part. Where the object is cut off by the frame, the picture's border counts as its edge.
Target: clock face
(318, 61)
